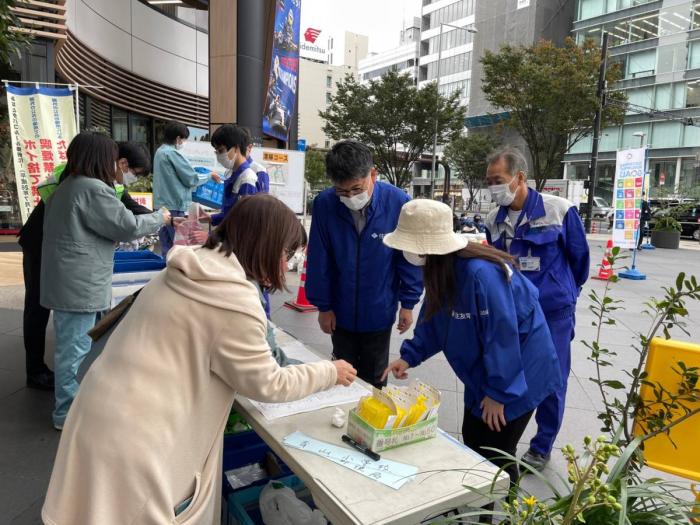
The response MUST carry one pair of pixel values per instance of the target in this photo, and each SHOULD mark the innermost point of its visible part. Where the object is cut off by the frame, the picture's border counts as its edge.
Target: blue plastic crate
(210, 194)
(244, 504)
(139, 261)
(244, 449)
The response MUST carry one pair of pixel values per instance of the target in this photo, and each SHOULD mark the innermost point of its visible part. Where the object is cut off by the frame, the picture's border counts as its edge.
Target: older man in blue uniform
(546, 236)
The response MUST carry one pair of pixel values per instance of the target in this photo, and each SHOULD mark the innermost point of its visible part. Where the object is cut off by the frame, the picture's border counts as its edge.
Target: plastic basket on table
(209, 194)
(139, 261)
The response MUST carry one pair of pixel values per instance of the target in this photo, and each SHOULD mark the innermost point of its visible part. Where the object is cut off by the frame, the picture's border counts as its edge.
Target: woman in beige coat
(145, 431)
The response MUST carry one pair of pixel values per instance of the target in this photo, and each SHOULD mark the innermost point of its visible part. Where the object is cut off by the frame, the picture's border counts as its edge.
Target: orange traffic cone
(301, 304)
(606, 270)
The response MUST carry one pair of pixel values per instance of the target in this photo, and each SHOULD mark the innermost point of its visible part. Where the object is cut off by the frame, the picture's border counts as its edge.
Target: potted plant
(666, 233)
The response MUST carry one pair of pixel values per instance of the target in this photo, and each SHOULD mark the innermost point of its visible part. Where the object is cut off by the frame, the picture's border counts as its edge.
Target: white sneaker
(58, 427)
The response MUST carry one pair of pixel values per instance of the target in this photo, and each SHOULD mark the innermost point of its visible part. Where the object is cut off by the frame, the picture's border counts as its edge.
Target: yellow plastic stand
(659, 453)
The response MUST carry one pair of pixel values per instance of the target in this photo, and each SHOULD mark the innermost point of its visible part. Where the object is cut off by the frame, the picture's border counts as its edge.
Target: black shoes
(41, 381)
(535, 460)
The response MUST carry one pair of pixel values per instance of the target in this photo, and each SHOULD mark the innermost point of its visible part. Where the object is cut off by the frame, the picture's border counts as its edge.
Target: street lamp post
(437, 100)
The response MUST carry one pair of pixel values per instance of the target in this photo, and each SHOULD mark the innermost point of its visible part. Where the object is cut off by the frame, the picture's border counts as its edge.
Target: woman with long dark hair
(485, 317)
(83, 220)
(143, 440)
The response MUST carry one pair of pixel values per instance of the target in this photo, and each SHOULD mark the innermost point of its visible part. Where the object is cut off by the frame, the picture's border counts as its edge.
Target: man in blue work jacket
(546, 236)
(352, 277)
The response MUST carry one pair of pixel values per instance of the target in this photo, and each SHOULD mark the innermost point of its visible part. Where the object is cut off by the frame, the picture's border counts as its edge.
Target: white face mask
(222, 158)
(414, 259)
(129, 177)
(502, 194)
(356, 202)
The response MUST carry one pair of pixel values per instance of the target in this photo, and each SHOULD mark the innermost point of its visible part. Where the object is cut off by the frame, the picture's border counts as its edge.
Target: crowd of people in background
(503, 313)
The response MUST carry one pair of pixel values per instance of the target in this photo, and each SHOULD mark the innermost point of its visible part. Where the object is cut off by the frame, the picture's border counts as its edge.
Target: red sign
(311, 34)
(662, 179)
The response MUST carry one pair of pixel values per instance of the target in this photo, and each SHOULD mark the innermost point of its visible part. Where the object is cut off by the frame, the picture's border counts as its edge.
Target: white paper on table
(338, 395)
(296, 350)
(390, 473)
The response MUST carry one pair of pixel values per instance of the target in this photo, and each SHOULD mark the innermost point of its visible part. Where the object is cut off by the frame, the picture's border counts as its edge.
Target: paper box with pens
(395, 416)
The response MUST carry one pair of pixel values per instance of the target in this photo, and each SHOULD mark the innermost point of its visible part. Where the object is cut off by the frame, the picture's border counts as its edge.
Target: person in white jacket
(144, 436)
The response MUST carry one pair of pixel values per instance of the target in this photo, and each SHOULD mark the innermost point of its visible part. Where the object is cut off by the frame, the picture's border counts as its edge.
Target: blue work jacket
(174, 179)
(549, 229)
(355, 275)
(495, 338)
(243, 181)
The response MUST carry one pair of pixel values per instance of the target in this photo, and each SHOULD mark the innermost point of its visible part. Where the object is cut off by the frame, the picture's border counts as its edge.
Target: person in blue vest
(263, 184)
(356, 281)
(484, 316)
(546, 236)
(231, 143)
(174, 180)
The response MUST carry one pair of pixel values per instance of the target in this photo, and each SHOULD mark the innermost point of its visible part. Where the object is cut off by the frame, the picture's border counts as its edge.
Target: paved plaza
(28, 441)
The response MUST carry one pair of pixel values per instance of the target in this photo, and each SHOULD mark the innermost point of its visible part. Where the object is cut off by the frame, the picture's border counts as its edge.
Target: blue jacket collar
(533, 208)
(241, 168)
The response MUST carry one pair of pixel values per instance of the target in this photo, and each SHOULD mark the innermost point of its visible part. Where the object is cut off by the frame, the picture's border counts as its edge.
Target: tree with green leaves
(550, 95)
(315, 169)
(11, 40)
(393, 118)
(467, 155)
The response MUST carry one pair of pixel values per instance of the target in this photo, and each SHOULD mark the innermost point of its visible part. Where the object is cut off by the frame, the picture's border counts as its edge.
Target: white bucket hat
(425, 228)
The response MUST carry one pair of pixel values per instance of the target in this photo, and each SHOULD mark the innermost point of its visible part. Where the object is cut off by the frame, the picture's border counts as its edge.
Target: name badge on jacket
(529, 263)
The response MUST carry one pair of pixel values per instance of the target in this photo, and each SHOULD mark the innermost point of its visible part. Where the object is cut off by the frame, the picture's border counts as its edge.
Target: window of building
(448, 66)
(329, 81)
(692, 96)
(694, 54)
(672, 58)
(674, 19)
(640, 97)
(666, 135)
(641, 64)
(328, 98)
(629, 139)
(679, 95)
(450, 13)
(327, 143)
(120, 125)
(689, 177)
(591, 8)
(691, 137)
(450, 39)
(609, 139)
(662, 174)
(663, 98)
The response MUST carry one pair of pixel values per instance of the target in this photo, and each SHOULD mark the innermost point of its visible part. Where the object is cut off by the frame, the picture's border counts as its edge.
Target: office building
(403, 58)
(657, 45)
(318, 79)
(514, 22)
(457, 45)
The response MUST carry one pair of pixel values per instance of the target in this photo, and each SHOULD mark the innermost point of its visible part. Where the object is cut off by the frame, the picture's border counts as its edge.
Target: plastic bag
(279, 505)
(191, 232)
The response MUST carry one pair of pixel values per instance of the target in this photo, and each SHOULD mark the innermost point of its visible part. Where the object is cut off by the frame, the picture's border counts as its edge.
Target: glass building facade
(657, 45)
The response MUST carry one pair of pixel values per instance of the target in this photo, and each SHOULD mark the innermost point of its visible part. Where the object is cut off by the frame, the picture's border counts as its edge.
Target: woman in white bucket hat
(485, 316)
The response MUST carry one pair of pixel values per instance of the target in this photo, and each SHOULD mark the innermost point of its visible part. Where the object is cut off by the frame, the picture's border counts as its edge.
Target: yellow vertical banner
(42, 124)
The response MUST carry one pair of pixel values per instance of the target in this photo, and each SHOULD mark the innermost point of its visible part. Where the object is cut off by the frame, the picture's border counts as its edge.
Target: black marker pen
(354, 444)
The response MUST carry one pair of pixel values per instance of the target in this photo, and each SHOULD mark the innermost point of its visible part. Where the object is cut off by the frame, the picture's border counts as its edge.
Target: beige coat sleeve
(242, 359)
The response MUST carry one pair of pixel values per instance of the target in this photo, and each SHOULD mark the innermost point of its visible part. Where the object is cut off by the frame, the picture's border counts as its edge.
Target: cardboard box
(378, 440)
